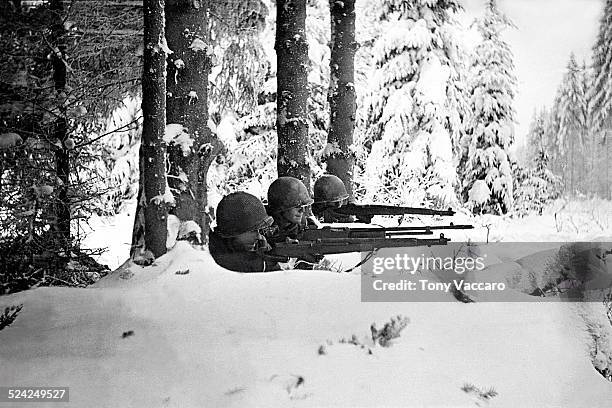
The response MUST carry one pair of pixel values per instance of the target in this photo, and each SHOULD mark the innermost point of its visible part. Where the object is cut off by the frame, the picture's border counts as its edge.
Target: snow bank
(214, 338)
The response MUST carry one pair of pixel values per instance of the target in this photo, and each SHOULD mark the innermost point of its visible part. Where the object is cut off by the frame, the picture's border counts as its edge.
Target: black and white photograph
(305, 203)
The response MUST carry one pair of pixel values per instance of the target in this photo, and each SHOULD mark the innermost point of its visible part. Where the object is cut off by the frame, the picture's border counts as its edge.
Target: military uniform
(237, 243)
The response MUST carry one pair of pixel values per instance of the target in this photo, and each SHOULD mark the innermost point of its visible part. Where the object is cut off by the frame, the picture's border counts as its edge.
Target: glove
(365, 218)
(312, 258)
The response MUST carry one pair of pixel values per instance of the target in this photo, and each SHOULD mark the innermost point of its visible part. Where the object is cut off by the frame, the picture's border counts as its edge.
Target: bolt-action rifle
(365, 212)
(328, 232)
(281, 251)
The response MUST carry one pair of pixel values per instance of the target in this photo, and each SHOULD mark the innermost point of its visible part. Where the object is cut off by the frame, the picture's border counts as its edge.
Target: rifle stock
(326, 246)
(369, 210)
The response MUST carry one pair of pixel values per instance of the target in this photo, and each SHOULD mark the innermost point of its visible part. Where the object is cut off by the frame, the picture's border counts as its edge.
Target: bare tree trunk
(342, 99)
(592, 172)
(62, 154)
(572, 164)
(292, 96)
(187, 104)
(607, 147)
(152, 209)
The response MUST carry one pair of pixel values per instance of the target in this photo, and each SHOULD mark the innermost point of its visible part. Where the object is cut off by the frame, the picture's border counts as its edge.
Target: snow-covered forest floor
(186, 333)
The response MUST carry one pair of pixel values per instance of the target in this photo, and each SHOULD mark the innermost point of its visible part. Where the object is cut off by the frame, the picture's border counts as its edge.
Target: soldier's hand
(365, 218)
(312, 258)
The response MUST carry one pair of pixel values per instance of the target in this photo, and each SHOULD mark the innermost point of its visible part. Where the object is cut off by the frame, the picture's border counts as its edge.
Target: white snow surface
(433, 81)
(214, 338)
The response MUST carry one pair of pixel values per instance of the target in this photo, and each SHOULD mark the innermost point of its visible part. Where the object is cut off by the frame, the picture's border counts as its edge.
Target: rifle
(327, 232)
(365, 212)
(302, 248)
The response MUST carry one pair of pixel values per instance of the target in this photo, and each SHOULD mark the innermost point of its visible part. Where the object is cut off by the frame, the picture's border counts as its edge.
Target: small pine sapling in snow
(390, 331)
(9, 315)
(483, 395)
(353, 341)
(127, 334)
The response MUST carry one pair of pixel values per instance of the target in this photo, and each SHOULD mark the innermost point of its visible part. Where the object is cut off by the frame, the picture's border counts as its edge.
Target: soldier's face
(294, 215)
(248, 241)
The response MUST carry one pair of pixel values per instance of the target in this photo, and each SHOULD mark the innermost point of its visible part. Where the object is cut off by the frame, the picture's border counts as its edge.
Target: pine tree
(572, 116)
(601, 91)
(601, 95)
(535, 185)
(490, 130)
(412, 121)
(536, 136)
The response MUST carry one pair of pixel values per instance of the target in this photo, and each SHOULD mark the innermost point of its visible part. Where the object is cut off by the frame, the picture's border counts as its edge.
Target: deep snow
(214, 338)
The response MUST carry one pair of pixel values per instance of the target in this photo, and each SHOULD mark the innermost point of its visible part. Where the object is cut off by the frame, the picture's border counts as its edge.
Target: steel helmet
(241, 212)
(329, 188)
(287, 192)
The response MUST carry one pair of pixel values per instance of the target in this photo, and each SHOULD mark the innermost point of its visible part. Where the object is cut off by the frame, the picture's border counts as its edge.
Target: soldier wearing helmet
(330, 194)
(288, 204)
(238, 241)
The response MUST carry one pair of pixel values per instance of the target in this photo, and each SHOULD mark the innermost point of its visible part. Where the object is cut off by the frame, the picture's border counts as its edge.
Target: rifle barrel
(372, 232)
(376, 209)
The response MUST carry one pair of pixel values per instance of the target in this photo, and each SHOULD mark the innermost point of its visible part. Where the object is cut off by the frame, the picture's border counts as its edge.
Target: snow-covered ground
(213, 338)
(186, 333)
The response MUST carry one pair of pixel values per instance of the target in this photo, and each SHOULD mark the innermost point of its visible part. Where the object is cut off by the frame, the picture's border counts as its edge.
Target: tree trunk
(592, 172)
(62, 154)
(572, 164)
(292, 95)
(187, 104)
(607, 147)
(342, 99)
(152, 209)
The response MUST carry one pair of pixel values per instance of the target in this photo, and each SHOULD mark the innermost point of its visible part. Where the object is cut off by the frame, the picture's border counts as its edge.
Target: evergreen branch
(108, 133)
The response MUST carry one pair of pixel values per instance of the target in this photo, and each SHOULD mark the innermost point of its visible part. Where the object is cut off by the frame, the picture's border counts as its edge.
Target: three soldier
(245, 226)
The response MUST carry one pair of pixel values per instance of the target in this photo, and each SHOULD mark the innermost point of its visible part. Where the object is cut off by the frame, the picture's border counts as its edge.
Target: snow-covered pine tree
(572, 116)
(601, 91)
(536, 135)
(490, 131)
(535, 185)
(412, 118)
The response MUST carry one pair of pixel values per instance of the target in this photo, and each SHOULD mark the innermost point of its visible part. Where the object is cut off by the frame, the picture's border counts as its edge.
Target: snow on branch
(177, 134)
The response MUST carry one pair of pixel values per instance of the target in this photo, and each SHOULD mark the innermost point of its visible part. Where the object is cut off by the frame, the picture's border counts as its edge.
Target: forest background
(435, 122)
